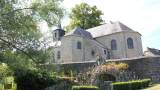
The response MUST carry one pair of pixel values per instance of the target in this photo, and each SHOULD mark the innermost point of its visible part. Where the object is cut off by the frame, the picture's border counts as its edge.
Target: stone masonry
(144, 67)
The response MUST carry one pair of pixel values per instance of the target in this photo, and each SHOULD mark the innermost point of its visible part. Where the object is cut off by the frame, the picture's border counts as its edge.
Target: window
(130, 43)
(113, 45)
(79, 46)
(55, 34)
(105, 52)
(93, 53)
(58, 55)
(109, 55)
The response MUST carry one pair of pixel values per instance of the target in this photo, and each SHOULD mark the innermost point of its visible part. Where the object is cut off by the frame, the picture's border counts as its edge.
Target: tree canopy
(19, 32)
(85, 16)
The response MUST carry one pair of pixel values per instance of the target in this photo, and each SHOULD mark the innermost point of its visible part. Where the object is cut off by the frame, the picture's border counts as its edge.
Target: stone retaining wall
(144, 67)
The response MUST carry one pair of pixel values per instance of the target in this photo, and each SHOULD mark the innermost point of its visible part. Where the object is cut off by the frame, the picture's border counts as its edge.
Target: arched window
(130, 43)
(58, 55)
(113, 45)
(55, 34)
(79, 46)
(105, 52)
(93, 53)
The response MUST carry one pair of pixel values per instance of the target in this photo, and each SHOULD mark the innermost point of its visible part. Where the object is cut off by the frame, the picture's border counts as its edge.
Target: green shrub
(5, 71)
(85, 88)
(33, 79)
(8, 82)
(131, 85)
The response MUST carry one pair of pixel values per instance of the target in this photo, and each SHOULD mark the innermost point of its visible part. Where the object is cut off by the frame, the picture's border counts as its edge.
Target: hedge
(34, 79)
(131, 85)
(85, 88)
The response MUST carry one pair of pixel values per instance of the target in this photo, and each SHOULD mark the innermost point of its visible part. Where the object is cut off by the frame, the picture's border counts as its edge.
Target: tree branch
(16, 10)
(10, 44)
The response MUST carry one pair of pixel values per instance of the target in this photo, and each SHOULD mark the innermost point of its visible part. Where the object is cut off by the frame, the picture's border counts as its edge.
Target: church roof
(109, 28)
(153, 51)
(81, 32)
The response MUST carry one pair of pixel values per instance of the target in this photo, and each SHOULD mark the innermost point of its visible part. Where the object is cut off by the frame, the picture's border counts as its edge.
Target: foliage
(114, 67)
(108, 71)
(33, 79)
(1, 86)
(16, 60)
(5, 71)
(6, 81)
(48, 10)
(84, 16)
(62, 84)
(19, 31)
(131, 85)
(85, 88)
(41, 56)
(21, 45)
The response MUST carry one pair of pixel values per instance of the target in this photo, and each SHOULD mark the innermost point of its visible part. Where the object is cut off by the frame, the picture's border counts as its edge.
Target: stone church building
(113, 40)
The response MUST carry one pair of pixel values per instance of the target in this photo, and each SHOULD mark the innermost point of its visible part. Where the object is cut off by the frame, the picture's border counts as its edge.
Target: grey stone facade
(96, 44)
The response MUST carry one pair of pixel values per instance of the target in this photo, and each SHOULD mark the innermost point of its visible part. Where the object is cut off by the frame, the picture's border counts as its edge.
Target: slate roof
(79, 31)
(109, 28)
(153, 51)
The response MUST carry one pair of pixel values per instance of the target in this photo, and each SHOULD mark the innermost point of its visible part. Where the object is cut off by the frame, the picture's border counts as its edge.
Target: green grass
(0, 86)
(154, 87)
(8, 80)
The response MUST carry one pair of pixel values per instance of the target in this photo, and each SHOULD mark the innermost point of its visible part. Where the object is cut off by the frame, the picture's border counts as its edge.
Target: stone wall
(77, 67)
(144, 67)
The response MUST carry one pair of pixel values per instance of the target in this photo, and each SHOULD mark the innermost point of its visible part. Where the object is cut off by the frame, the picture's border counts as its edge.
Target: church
(112, 40)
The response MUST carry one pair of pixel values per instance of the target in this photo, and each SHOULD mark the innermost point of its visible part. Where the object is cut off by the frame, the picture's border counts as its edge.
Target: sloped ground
(154, 87)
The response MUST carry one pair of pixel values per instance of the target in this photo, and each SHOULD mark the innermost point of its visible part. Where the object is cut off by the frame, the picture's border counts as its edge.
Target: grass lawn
(154, 87)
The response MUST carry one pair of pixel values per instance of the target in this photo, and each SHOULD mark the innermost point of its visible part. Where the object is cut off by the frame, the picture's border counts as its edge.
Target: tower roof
(81, 32)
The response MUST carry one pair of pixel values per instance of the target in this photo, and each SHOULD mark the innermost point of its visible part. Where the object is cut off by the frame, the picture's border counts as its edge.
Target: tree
(19, 31)
(85, 16)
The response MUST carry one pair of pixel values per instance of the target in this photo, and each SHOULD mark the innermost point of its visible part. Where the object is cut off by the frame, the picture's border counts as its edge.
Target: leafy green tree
(85, 16)
(16, 60)
(41, 56)
(19, 32)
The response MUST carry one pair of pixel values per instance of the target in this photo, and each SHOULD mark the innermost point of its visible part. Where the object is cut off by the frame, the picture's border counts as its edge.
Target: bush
(85, 88)
(33, 79)
(62, 84)
(4, 71)
(131, 85)
(8, 82)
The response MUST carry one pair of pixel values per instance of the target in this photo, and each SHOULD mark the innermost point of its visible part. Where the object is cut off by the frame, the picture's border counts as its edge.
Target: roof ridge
(124, 27)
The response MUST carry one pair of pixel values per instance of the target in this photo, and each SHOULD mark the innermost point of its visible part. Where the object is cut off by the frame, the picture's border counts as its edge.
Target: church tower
(58, 33)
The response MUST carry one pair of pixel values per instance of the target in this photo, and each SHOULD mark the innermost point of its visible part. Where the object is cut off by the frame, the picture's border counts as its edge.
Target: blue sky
(141, 15)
